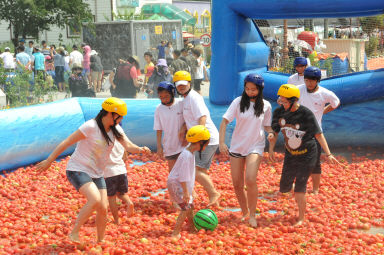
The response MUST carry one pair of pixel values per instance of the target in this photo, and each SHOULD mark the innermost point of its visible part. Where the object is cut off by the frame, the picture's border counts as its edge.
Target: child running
(253, 115)
(300, 128)
(181, 179)
(320, 101)
(300, 63)
(85, 170)
(168, 121)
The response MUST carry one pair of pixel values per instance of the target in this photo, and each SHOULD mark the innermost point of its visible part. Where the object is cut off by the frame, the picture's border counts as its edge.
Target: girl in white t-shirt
(253, 116)
(168, 121)
(85, 170)
(181, 179)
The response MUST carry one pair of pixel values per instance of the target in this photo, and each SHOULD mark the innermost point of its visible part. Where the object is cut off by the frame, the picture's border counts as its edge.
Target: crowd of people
(188, 139)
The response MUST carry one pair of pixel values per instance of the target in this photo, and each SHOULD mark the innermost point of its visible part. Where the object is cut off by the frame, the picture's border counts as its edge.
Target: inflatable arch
(29, 134)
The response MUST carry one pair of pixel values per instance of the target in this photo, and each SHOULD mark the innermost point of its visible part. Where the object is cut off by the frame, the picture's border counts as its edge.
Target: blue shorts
(118, 183)
(78, 179)
(206, 156)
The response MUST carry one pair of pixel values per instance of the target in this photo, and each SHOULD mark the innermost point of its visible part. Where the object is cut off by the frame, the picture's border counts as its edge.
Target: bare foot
(176, 206)
(299, 222)
(245, 216)
(175, 236)
(315, 192)
(252, 222)
(214, 200)
(130, 210)
(74, 237)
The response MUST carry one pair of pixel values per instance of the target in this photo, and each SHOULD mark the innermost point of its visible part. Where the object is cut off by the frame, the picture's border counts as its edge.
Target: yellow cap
(114, 104)
(181, 76)
(197, 133)
(288, 91)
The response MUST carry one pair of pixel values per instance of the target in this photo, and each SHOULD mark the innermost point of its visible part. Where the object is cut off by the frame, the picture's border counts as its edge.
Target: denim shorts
(206, 156)
(118, 183)
(78, 179)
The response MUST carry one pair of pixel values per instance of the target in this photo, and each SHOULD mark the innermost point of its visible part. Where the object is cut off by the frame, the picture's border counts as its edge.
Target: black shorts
(172, 157)
(317, 168)
(118, 183)
(59, 73)
(197, 84)
(297, 169)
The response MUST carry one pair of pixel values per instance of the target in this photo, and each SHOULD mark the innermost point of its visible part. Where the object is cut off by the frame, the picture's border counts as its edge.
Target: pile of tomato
(38, 210)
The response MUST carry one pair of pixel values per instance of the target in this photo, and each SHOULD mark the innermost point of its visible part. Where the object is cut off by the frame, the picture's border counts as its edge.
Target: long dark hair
(99, 122)
(259, 103)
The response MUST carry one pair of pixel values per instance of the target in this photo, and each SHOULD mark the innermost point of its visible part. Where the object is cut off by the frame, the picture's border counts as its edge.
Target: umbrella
(188, 35)
(302, 44)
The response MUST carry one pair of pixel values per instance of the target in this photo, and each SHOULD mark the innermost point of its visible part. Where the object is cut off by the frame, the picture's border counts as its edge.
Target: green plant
(371, 46)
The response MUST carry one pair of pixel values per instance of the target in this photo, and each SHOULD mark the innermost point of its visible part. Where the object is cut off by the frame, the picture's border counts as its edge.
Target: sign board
(206, 38)
(158, 30)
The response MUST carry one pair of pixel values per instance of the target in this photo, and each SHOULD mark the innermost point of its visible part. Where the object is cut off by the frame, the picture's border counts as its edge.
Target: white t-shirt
(115, 164)
(76, 57)
(194, 107)
(170, 119)
(184, 170)
(248, 136)
(8, 60)
(199, 72)
(92, 153)
(295, 79)
(316, 101)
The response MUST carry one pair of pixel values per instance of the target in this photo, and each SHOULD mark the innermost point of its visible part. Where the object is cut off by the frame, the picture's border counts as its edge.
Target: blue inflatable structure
(29, 134)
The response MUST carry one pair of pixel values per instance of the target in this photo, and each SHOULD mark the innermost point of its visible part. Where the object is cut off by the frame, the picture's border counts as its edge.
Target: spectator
(149, 66)
(186, 42)
(123, 80)
(161, 73)
(45, 49)
(87, 63)
(23, 60)
(191, 62)
(75, 57)
(96, 71)
(199, 71)
(38, 63)
(178, 64)
(161, 49)
(22, 42)
(78, 83)
(59, 62)
(8, 61)
(29, 49)
(169, 51)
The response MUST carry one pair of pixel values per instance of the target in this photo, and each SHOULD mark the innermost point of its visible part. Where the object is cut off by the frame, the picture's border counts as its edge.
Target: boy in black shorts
(300, 128)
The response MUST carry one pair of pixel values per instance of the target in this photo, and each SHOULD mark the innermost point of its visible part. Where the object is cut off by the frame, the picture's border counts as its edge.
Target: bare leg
(94, 82)
(130, 207)
(179, 223)
(203, 178)
(90, 191)
(171, 163)
(190, 220)
(252, 167)
(301, 203)
(316, 183)
(101, 215)
(99, 84)
(114, 209)
(237, 173)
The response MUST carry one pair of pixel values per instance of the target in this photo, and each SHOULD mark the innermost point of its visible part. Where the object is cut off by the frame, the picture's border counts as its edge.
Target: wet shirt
(298, 128)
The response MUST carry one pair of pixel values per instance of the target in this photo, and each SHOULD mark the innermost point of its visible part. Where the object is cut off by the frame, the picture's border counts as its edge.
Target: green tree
(369, 24)
(29, 17)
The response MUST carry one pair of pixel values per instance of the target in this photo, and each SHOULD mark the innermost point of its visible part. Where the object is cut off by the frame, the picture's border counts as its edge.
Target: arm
(203, 120)
(111, 77)
(131, 147)
(329, 108)
(222, 146)
(159, 134)
(324, 145)
(183, 132)
(69, 141)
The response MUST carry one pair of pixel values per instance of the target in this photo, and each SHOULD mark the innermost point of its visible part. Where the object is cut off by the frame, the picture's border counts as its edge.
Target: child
(149, 66)
(299, 127)
(181, 179)
(168, 120)
(320, 101)
(115, 175)
(300, 64)
(253, 115)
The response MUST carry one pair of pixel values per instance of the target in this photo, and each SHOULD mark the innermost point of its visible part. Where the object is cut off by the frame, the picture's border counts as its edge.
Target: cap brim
(178, 83)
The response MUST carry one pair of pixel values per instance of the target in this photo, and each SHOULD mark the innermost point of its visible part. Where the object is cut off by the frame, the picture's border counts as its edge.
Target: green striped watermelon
(205, 219)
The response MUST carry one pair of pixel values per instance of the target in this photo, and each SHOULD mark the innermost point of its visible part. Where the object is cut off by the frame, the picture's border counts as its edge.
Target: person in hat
(77, 82)
(59, 63)
(96, 71)
(161, 73)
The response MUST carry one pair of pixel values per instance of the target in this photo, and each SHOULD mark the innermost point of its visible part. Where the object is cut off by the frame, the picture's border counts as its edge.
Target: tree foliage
(369, 24)
(30, 17)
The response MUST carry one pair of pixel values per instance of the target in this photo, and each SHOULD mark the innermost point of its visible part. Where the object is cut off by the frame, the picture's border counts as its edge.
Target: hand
(333, 160)
(223, 148)
(272, 156)
(186, 196)
(160, 152)
(182, 134)
(145, 149)
(43, 165)
(271, 137)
